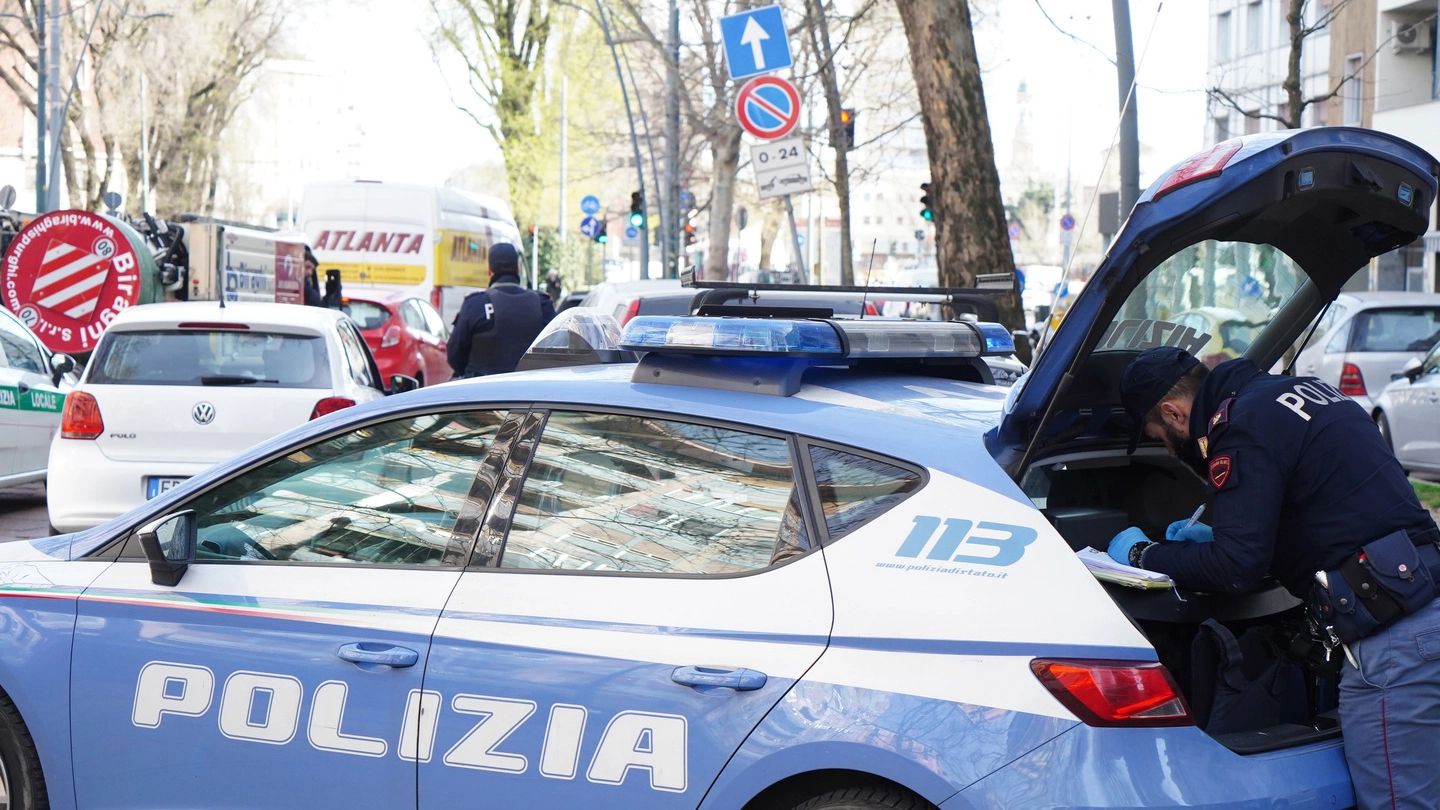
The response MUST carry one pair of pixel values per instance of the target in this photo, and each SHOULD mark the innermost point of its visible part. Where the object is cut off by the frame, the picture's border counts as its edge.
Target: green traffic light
(637, 219)
(602, 239)
(928, 215)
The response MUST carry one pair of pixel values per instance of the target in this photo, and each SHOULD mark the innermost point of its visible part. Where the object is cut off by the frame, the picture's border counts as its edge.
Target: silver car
(1366, 337)
(1408, 413)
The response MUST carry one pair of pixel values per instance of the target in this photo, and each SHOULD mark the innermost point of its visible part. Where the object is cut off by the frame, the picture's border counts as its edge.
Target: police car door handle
(366, 652)
(741, 680)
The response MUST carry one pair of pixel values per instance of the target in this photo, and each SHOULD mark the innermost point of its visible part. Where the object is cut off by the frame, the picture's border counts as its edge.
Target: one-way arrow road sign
(755, 42)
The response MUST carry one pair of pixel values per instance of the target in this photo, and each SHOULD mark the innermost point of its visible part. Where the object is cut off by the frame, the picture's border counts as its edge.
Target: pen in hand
(1195, 517)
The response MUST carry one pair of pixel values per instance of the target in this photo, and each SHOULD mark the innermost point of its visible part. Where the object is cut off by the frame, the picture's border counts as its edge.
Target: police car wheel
(20, 773)
(870, 797)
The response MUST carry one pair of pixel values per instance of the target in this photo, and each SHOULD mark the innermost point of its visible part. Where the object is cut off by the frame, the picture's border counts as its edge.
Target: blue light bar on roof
(732, 336)
(910, 339)
(774, 337)
(998, 339)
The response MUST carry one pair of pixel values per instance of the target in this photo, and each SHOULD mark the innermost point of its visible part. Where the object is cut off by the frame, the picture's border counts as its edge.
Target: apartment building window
(1253, 21)
(1354, 88)
(1222, 37)
(1252, 122)
(1222, 128)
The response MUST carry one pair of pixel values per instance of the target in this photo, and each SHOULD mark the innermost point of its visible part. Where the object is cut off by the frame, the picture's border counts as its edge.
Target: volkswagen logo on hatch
(203, 413)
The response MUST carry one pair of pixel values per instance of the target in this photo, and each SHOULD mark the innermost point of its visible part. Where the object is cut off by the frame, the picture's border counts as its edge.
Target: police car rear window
(1211, 299)
(221, 357)
(856, 489)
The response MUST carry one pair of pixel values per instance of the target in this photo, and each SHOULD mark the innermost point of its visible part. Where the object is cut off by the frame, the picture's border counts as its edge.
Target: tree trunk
(825, 55)
(970, 235)
(725, 155)
(771, 218)
(1294, 98)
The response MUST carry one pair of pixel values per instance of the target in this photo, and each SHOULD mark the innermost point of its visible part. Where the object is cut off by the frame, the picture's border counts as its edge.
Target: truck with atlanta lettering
(429, 241)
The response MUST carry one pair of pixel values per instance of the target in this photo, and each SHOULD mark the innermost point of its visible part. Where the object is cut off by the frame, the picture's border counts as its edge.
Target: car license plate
(159, 486)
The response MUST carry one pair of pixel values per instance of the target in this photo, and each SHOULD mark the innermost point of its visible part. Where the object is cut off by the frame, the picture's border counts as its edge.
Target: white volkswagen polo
(171, 389)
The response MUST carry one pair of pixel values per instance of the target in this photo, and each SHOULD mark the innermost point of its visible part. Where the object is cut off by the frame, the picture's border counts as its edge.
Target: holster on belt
(1388, 578)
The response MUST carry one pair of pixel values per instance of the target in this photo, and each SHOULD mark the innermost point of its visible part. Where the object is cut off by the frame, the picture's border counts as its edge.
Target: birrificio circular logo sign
(67, 275)
(203, 413)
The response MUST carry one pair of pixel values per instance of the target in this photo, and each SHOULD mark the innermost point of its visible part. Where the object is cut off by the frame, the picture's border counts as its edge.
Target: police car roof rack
(985, 284)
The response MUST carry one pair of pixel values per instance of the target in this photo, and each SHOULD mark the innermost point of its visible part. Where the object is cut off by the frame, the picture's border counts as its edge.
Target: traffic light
(637, 210)
(847, 128)
(689, 234)
(926, 201)
(600, 235)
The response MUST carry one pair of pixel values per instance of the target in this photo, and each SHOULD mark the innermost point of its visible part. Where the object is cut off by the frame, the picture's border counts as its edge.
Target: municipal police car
(776, 563)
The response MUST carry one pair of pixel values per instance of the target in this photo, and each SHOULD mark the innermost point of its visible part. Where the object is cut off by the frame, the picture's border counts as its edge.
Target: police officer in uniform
(496, 326)
(1300, 481)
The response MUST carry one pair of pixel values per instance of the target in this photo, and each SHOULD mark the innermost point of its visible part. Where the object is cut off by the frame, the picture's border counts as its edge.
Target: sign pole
(535, 257)
(795, 242)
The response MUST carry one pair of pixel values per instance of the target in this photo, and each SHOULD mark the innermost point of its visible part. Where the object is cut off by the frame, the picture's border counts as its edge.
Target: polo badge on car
(203, 413)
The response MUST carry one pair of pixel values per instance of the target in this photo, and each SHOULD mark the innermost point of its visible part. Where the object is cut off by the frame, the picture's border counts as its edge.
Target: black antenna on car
(866, 294)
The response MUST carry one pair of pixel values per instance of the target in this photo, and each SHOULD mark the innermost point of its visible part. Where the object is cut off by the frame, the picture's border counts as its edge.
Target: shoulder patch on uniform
(1222, 469)
(1221, 415)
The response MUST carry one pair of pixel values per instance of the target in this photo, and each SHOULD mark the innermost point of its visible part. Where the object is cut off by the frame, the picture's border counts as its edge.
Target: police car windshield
(200, 357)
(1211, 299)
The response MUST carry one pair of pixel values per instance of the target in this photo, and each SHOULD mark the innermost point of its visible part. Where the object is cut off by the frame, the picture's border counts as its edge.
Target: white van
(432, 242)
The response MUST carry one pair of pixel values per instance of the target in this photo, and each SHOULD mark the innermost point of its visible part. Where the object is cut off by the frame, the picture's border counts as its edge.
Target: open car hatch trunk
(1329, 198)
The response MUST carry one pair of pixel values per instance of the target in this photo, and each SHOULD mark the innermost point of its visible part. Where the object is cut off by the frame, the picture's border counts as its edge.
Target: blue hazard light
(735, 336)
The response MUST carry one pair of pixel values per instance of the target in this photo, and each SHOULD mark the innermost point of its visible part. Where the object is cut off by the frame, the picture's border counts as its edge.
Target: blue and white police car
(777, 563)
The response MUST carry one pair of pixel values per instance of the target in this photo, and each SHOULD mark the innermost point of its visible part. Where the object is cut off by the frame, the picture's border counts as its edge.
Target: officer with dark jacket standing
(496, 326)
(1304, 488)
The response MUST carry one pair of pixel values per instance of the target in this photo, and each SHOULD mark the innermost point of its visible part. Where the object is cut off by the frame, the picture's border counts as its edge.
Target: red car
(406, 334)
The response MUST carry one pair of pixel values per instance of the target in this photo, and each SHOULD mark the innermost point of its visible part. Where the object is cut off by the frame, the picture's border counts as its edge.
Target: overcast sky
(414, 133)
(1075, 100)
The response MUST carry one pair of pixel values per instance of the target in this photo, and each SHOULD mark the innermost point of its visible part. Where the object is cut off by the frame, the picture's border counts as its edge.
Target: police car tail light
(1115, 693)
(1352, 382)
(392, 337)
(330, 405)
(1206, 164)
(81, 419)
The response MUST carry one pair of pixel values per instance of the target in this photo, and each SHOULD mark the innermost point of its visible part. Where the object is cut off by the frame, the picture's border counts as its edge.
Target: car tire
(867, 797)
(420, 378)
(1383, 425)
(24, 781)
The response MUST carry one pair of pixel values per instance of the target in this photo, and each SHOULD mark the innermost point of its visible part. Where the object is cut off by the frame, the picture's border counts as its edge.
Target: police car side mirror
(400, 383)
(60, 365)
(169, 545)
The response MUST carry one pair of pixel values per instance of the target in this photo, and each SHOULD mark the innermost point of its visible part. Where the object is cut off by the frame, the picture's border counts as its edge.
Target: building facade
(1250, 47)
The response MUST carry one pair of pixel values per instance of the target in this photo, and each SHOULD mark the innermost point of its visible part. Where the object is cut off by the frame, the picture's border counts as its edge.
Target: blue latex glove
(1120, 546)
(1195, 533)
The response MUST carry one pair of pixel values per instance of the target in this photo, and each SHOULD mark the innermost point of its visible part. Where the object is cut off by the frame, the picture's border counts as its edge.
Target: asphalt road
(22, 513)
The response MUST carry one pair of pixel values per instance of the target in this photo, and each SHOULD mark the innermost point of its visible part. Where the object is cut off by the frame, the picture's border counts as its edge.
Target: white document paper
(1108, 570)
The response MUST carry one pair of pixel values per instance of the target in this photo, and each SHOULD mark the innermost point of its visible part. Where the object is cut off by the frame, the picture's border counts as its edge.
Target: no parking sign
(768, 107)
